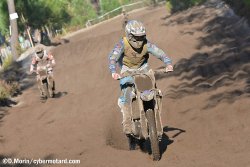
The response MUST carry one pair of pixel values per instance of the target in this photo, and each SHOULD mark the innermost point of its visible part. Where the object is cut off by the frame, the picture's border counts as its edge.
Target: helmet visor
(138, 38)
(39, 54)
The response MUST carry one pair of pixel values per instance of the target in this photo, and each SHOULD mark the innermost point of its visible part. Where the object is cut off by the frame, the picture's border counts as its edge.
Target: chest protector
(42, 62)
(132, 58)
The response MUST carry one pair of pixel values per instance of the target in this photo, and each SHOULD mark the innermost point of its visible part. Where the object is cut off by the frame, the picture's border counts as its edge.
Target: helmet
(39, 52)
(135, 33)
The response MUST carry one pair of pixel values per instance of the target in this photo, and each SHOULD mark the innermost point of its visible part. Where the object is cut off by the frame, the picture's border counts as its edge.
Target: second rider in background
(42, 57)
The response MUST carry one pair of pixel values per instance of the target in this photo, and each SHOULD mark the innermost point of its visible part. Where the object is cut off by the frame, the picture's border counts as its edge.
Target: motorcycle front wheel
(45, 88)
(154, 142)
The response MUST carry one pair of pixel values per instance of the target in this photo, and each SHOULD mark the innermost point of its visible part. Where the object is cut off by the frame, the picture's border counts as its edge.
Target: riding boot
(127, 122)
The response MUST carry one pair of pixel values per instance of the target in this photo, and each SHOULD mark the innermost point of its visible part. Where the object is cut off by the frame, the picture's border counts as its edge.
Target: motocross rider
(41, 56)
(132, 53)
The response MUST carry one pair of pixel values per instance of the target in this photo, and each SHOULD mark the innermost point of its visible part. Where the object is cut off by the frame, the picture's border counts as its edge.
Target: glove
(116, 76)
(169, 68)
(48, 65)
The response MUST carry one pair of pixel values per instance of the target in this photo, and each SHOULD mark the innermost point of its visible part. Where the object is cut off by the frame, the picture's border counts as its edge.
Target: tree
(14, 30)
(80, 11)
(108, 5)
(47, 15)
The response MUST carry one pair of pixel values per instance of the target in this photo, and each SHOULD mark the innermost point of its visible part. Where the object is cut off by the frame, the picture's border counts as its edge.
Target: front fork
(143, 120)
(43, 87)
(51, 85)
(158, 108)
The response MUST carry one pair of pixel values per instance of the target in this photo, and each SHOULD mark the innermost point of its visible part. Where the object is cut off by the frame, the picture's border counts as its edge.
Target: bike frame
(139, 106)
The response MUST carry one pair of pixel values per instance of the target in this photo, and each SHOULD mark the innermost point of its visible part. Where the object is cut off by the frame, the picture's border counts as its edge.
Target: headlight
(147, 95)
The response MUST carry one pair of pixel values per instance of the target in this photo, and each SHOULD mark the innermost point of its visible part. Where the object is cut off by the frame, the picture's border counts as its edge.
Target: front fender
(126, 80)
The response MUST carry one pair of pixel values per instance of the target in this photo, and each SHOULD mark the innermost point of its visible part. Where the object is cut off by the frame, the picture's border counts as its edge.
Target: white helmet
(135, 33)
(39, 52)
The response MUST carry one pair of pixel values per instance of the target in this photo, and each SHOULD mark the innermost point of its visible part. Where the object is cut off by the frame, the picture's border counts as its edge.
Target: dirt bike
(146, 107)
(44, 81)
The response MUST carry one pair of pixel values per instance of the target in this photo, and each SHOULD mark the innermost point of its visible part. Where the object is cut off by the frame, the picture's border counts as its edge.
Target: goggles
(139, 38)
(39, 53)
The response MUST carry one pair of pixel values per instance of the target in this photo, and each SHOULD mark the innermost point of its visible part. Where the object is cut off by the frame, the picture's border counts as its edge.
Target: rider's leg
(124, 103)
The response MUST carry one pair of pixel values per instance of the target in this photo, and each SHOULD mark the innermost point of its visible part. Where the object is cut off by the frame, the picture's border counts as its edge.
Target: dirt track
(206, 104)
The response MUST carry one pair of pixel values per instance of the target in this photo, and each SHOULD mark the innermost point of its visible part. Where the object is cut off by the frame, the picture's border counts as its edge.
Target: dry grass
(7, 90)
(9, 78)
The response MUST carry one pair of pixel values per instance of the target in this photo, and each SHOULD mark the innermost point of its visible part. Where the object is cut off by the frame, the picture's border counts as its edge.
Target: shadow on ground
(3, 113)
(57, 42)
(145, 146)
(164, 143)
(60, 94)
(226, 65)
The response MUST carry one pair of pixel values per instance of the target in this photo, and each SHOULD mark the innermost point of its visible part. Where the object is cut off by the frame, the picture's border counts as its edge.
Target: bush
(169, 6)
(247, 2)
(3, 91)
(7, 90)
(19, 50)
(7, 62)
(241, 7)
(178, 5)
(10, 75)
(80, 12)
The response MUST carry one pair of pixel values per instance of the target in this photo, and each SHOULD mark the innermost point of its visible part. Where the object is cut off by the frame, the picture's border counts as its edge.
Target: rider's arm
(51, 59)
(157, 52)
(33, 64)
(115, 55)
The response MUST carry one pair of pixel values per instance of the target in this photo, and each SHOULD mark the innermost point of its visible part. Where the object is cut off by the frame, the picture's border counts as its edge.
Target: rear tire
(153, 135)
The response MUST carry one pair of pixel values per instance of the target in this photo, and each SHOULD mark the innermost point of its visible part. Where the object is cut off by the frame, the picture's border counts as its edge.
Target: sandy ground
(205, 107)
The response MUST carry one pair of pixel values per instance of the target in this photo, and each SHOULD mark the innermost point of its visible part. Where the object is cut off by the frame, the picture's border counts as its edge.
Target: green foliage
(7, 90)
(54, 14)
(7, 62)
(124, 2)
(241, 7)
(247, 2)
(4, 20)
(169, 6)
(196, 2)
(177, 5)
(51, 15)
(19, 49)
(80, 11)
(38, 13)
(108, 5)
(3, 92)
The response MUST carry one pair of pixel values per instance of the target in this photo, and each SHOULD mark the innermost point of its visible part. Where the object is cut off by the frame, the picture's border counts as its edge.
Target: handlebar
(156, 72)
